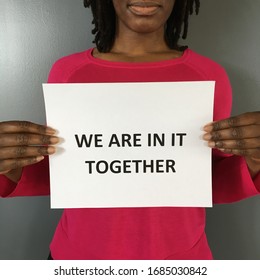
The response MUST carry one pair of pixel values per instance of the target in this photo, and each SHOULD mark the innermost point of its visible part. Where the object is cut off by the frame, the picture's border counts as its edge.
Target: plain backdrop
(35, 33)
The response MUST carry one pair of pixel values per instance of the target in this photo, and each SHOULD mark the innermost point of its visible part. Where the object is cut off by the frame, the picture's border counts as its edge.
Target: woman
(137, 41)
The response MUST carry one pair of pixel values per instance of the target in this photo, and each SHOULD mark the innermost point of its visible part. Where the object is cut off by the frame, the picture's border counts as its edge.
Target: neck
(134, 44)
(130, 46)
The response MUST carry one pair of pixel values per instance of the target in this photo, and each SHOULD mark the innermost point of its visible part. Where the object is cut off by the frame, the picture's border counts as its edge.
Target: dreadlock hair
(104, 20)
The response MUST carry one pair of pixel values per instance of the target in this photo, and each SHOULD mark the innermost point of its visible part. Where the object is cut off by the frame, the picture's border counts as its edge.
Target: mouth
(144, 8)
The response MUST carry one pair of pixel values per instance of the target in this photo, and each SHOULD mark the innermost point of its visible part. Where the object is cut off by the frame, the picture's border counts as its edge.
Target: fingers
(26, 139)
(25, 152)
(12, 164)
(17, 157)
(252, 143)
(241, 132)
(24, 143)
(26, 127)
(252, 118)
(238, 135)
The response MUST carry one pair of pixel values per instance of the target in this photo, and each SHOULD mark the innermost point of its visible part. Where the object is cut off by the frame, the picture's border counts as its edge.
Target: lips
(144, 8)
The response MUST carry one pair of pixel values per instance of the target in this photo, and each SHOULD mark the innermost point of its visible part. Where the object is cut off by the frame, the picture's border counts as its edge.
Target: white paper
(137, 113)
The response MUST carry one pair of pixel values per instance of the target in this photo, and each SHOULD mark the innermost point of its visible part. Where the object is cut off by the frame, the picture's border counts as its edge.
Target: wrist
(14, 175)
(253, 166)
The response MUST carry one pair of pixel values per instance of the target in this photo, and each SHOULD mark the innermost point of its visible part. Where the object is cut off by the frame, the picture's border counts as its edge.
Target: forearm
(232, 180)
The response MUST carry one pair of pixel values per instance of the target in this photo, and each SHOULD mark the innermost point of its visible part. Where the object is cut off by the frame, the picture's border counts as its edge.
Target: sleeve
(34, 181)
(231, 179)
(35, 178)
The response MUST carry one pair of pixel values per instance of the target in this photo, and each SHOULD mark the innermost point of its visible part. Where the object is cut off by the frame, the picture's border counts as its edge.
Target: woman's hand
(23, 143)
(239, 135)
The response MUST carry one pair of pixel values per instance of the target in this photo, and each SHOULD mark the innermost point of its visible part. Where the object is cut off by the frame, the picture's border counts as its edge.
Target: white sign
(130, 144)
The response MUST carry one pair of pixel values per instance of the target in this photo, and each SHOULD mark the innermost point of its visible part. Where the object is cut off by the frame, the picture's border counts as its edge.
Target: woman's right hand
(23, 143)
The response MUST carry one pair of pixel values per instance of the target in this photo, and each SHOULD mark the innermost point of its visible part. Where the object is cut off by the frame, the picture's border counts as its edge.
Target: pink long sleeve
(34, 182)
(231, 179)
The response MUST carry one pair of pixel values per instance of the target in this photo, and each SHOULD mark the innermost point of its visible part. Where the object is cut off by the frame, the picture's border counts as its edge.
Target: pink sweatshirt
(139, 233)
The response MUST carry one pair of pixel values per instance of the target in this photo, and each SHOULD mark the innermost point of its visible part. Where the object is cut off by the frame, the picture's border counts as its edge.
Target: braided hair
(104, 20)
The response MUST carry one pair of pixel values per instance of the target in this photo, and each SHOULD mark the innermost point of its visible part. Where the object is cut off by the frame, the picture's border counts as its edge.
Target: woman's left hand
(239, 135)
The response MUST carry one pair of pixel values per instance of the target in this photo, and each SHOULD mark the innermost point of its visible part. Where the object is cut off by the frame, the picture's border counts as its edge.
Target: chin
(144, 26)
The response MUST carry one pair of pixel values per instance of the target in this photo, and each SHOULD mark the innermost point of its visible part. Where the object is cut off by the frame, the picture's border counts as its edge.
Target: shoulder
(62, 68)
(212, 70)
(205, 65)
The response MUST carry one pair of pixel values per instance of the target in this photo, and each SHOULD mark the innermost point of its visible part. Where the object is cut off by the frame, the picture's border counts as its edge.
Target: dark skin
(139, 38)
(239, 135)
(23, 143)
